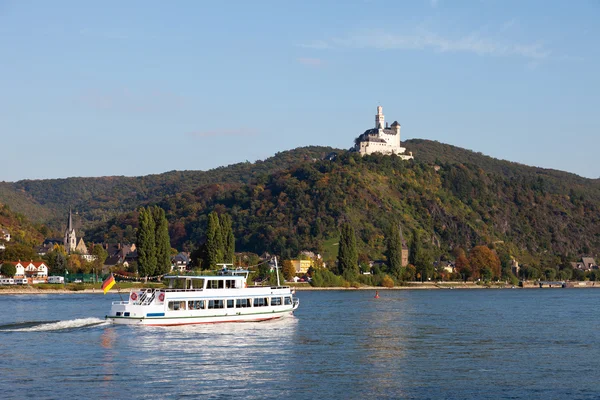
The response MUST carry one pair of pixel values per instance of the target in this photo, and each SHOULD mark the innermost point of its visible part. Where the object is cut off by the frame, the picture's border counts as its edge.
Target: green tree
(415, 248)
(348, 253)
(213, 246)
(394, 250)
(228, 239)
(162, 241)
(146, 243)
(8, 270)
(100, 254)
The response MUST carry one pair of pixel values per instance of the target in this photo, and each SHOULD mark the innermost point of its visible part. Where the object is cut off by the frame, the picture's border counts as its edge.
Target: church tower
(70, 241)
(379, 118)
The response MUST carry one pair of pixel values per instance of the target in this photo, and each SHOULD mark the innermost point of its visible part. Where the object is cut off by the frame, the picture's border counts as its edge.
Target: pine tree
(162, 241)
(228, 239)
(146, 243)
(348, 253)
(394, 250)
(213, 245)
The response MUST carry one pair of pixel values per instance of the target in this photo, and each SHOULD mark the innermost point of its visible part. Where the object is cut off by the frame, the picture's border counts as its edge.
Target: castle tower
(70, 241)
(379, 118)
(396, 130)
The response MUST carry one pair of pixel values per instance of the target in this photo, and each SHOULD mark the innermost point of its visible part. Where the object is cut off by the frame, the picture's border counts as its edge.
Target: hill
(296, 201)
(98, 199)
(460, 198)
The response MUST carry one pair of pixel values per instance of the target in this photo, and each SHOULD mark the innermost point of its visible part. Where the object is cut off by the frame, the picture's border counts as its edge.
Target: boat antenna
(277, 271)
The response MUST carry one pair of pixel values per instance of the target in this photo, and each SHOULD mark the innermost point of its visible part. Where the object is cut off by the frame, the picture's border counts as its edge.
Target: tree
(100, 254)
(146, 243)
(348, 253)
(481, 257)
(415, 248)
(394, 250)
(288, 270)
(162, 242)
(213, 246)
(8, 269)
(228, 240)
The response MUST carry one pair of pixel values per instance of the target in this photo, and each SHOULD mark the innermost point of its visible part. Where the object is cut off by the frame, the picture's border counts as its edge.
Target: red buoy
(376, 294)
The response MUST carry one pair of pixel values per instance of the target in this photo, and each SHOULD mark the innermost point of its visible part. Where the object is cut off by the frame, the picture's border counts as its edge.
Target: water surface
(454, 344)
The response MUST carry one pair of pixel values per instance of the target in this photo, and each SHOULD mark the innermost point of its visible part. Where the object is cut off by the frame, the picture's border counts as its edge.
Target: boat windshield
(185, 283)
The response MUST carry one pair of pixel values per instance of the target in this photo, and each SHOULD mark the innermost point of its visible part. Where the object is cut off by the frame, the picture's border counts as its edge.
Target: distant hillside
(20, 229)
(529, 212)
(296, 200)
(98, 199)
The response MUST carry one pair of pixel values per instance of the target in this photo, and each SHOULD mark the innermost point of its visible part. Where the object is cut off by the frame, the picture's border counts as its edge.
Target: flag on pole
(108, 283)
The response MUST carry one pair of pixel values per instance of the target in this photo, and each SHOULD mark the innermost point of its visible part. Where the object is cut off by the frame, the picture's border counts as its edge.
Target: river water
(421, 344)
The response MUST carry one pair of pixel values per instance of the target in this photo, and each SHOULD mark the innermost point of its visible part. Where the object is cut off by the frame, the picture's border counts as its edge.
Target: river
(408, 344)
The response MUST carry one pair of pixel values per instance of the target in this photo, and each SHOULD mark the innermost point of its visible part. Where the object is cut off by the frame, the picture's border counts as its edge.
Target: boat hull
(196, 320)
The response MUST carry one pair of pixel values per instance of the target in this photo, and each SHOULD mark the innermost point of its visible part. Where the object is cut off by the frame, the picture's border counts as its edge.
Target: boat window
(230, 284)
(288, 301)
(260, 302)
(177, 305)
(196, 305)
(229, 303)
(242, 303)
(216, 304)
(216, 284)
(275, 301)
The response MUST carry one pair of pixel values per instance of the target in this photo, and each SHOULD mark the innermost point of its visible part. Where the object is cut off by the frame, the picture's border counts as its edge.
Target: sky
(143, 87)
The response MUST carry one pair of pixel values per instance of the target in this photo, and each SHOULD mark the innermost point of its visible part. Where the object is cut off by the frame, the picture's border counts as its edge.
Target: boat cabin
(183, 282)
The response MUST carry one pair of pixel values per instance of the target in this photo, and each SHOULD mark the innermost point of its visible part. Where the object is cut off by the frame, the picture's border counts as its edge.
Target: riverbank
(16, 290)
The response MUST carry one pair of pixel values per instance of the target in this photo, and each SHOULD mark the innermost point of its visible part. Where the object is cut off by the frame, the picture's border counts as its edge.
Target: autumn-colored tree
(288, 270)
(481, 257)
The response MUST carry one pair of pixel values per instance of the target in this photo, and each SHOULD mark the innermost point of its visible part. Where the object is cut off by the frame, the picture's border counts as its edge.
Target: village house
(4, 235)
(180, 262)
(34, 271)
(586, 264)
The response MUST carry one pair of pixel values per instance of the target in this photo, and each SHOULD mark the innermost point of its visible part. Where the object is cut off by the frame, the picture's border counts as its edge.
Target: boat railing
(182, 290)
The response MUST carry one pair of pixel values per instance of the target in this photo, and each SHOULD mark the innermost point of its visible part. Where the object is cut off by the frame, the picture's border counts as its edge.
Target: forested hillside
(297, 200)
(98, 199)
(529, 213)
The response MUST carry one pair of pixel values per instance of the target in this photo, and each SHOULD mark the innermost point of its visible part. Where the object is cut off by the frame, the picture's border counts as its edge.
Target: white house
(4, 234)
(31, 269)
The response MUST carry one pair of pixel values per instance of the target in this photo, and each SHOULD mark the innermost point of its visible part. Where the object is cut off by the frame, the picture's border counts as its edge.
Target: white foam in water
(68, 324)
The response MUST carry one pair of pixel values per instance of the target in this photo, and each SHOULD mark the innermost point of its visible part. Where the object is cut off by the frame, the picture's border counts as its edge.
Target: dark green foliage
(394, 250)
(146, 243)
(326, 278)
(228, 240)
(162, 241)
(8, 270)
(213, 245)
(57, 262)
(347, 253)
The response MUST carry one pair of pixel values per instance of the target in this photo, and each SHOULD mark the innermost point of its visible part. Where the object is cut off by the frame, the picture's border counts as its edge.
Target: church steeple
(70, 241)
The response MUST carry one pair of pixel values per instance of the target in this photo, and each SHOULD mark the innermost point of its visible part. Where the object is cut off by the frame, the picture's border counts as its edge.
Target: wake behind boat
(204, 299)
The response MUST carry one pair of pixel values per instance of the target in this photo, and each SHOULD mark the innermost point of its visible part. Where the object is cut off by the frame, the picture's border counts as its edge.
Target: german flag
(108, 283)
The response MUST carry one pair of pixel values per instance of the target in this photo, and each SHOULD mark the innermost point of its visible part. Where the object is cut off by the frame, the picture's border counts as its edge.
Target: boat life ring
(134, 296)
(161, 297)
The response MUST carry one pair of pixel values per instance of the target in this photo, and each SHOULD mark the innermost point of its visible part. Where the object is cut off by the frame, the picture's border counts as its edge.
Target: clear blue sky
(141, 87)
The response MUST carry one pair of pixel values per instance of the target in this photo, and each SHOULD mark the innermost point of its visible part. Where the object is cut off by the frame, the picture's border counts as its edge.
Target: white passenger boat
(204, 300)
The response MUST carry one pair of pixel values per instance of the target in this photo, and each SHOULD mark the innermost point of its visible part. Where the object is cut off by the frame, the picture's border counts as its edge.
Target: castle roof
(395, 124)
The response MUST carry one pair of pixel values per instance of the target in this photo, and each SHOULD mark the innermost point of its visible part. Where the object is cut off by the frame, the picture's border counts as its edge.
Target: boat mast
(277, 271)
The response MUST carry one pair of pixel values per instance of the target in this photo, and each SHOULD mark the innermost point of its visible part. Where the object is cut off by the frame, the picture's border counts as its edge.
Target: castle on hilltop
(381, 139)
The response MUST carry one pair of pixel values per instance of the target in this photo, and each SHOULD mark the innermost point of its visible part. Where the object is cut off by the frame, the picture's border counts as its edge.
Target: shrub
(387, 282)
